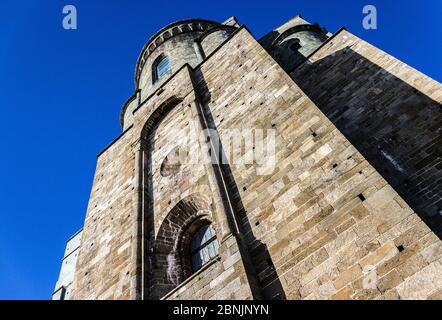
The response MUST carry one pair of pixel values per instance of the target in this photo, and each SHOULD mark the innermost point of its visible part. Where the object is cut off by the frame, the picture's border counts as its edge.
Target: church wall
(191, 179)
(317, 225)
(266, 40)
(297, 42)
(180, 50)
(223, 279)
(127, 117)
(193, 182)
(104, 266)
(389, 111)
(327, 217)
(214, 40)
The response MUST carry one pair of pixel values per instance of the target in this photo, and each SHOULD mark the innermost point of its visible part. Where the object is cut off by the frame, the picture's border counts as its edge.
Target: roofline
(186, 65)
(74, 235)
(126, 104)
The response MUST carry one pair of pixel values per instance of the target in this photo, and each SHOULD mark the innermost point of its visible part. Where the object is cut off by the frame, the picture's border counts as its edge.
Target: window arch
(160, 67)
(170, 256)
(204, 246)
(294, 45)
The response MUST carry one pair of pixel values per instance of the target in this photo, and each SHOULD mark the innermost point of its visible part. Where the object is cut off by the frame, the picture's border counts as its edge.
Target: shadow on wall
(287, 54)
(261, 273)
(397, 128)
(152, 284)
(171, 247)
(162, 271)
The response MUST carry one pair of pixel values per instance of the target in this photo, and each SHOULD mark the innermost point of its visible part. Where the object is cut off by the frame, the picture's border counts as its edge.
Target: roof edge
(161, 32)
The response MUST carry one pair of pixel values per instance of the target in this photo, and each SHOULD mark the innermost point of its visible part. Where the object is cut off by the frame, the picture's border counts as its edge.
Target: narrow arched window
(160, 67)
(295, 45)
(203, 247)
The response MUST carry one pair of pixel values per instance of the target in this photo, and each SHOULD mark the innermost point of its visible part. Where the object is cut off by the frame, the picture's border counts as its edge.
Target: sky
(61, 92)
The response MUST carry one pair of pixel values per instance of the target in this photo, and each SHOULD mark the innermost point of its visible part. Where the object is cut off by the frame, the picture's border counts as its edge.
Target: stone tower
(307, 216)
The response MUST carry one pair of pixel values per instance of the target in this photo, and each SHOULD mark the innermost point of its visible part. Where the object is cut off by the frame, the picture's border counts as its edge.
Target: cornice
(166, 33)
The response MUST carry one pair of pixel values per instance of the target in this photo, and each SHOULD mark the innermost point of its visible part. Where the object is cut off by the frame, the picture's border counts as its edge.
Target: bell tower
(160, 215)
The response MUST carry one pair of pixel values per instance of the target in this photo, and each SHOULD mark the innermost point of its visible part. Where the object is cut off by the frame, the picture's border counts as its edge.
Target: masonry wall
(222, 279)
(310, 224)
(324, 213)
(389, 111)
(187, 188)
(214, 40)
(105, 268)
(183, 51)
(111, 263)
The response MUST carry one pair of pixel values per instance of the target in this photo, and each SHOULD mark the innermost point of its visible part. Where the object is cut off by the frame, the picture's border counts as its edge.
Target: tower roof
(166, 33)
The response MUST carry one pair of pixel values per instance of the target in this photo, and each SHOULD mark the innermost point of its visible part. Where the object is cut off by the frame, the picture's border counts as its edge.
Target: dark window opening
(160, 67)
(295, 46)
(204, 246)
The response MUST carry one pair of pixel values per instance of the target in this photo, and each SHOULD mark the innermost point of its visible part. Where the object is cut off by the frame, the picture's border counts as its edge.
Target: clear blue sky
(61, 93)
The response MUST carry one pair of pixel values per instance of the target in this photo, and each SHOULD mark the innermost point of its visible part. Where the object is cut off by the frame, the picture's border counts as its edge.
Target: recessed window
(295, 45)
(161, 67)
(203, 247)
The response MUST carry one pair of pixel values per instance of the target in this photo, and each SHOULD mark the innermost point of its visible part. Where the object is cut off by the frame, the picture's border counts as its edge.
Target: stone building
(346, 203)
(63, 286)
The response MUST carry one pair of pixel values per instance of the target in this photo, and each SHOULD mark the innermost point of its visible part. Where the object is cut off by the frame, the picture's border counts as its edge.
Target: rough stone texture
(103, 266)
(215, 39)
(317, 225)
(390, 112)
(183, 38)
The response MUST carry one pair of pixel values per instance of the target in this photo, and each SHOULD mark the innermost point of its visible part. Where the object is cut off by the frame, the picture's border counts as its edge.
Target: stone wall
(215, 39)
(389, 111)
(315, 225)
(180, 50)
(324, 213)
(182, 42)
(137, 211)
(222, 279)
(185, 196)
(105, 269)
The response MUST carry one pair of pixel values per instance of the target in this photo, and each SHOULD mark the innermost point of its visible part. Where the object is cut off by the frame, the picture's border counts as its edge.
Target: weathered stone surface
(388, 110)
(308, 228)
(422, 284)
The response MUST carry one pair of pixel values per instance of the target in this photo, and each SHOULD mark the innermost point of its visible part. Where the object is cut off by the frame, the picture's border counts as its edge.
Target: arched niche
(294, 45)
(170, 257)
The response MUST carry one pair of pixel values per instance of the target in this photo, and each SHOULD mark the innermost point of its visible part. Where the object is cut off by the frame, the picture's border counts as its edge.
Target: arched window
(203, 247)
(160, 67)
(295, 45)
